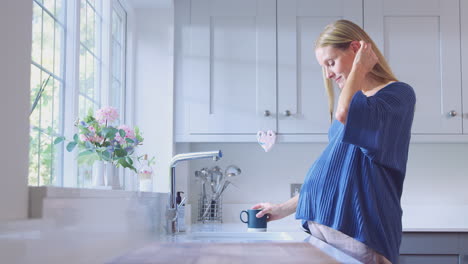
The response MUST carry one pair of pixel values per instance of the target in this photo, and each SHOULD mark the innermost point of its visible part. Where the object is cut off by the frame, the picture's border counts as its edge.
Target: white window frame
(97, 57)
(72, 50)
(119, 8)
(57, 170)
(130, 178)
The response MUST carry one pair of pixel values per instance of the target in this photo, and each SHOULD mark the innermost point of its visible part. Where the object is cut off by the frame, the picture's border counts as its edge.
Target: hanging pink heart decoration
(266, 139)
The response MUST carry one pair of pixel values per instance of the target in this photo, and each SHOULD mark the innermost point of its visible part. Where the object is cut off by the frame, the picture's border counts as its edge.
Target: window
(90, 69)
(117, 62)
(90, 56)
(73, 44)
(117, 91)
(47, 84)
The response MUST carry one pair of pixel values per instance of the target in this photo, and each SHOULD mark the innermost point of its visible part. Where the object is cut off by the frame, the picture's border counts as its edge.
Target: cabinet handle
(452, 113)
(266, 113)
(287, 113)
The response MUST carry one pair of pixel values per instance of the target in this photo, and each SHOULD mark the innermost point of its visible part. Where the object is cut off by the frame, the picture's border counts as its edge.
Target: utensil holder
(210, 210)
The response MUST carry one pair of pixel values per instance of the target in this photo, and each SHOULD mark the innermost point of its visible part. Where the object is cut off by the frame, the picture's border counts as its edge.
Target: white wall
(15, 66)
(437, 174)
(153, 29)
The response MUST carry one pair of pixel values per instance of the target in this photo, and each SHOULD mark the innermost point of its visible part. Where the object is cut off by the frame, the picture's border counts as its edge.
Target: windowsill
(84, 225)
(65, 192)
(38, 196)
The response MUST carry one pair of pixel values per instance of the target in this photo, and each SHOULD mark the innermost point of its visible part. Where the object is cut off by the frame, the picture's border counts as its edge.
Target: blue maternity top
(355, 185)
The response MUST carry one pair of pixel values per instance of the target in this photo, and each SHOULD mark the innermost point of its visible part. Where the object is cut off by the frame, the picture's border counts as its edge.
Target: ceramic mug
(254, 224)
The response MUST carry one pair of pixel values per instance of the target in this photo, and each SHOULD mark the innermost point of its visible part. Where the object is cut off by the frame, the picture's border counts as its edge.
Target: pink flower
(97, 139)
(106, 114)
(119, 139)
(129, 133)
(92, 129)
(83, 138)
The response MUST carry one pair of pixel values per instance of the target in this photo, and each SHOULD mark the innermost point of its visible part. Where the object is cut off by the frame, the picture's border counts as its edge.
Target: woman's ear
(355, 46)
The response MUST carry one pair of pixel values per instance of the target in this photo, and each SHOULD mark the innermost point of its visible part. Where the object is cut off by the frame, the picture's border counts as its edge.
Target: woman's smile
(339, 81)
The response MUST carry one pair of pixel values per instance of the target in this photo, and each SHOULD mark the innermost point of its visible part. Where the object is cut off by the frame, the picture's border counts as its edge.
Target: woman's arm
(277, 211)
(364, 61)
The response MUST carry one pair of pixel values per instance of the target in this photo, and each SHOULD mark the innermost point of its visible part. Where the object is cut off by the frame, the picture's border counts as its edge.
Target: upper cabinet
(421, 40)
(302, 100)
(232, 66)
(464, 55)
(249, 65)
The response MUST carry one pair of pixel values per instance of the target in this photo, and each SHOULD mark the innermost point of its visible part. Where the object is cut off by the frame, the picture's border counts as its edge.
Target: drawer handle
(452, 113)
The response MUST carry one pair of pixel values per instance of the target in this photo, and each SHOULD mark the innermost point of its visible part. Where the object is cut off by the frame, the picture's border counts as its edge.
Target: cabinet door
(233, 66)
(421, 40)
(300, 85)
(464, 44)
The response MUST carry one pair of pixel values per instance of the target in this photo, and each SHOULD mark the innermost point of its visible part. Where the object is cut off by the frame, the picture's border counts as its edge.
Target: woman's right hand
(365, 57)
(274, 211)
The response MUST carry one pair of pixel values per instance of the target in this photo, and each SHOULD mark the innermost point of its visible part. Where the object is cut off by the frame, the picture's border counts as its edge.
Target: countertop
(416, 218)
(302, 248)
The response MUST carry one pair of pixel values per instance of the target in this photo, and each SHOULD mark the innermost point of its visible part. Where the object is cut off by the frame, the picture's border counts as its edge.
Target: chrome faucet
(172, 208)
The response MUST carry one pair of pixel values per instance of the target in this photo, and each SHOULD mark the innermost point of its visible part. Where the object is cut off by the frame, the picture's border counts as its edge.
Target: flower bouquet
(99, 140)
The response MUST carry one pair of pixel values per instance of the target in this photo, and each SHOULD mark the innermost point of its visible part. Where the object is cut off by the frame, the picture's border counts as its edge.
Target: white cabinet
(238, 60)
(232, 66)
(244, 64)
(464, 56)
(302, 100)
(421, 40)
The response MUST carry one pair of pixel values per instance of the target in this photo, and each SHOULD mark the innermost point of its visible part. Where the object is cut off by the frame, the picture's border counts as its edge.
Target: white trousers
(347, 244)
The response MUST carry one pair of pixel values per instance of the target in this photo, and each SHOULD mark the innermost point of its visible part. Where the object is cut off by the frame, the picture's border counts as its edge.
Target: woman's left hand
(365, 58)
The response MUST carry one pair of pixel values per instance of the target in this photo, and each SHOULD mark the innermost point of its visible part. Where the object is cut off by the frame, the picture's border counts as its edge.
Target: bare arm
(353, 83)
(363, 63)
(277, 211)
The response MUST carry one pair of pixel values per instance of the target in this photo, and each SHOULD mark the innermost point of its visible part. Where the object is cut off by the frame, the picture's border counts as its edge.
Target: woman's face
(336, 62)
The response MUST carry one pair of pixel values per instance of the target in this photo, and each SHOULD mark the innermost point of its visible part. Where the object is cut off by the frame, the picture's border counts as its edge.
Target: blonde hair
(339, 35)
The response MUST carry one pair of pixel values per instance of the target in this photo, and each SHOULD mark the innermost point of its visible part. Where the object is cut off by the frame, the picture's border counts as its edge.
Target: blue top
(355, 185)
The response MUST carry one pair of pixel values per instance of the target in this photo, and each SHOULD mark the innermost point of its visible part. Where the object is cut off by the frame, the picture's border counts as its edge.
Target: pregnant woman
(351, 194)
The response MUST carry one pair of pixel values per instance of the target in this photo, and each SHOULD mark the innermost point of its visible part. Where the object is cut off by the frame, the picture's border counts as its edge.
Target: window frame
(120, 10)
(98, 56)
(57, 167)
(71, 90)
(117, 5)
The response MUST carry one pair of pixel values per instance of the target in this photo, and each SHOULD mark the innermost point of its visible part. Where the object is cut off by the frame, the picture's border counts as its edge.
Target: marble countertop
(435, 229)
(429, 226)
(416, 218)
(293, 233)
(240, 227)
(295, 228)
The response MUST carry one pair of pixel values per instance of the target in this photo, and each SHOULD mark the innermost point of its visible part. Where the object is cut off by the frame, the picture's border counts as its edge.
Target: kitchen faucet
(172, 209)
